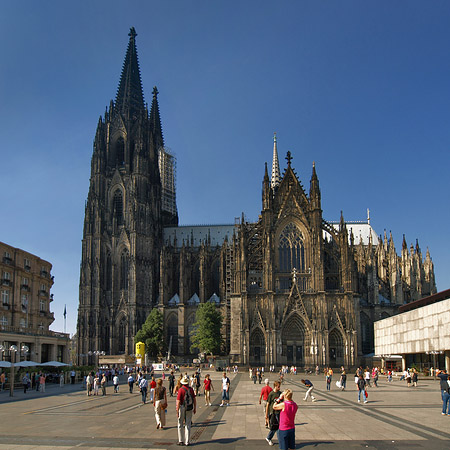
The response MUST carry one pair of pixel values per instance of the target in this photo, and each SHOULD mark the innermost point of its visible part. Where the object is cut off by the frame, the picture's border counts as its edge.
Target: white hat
(185, 380)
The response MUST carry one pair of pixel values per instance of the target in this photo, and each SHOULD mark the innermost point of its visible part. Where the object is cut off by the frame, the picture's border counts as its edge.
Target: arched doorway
(293, 341)
(336, 348)
(257, 347)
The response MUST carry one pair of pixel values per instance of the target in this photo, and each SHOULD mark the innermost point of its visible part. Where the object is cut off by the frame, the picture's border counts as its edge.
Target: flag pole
(65, 313)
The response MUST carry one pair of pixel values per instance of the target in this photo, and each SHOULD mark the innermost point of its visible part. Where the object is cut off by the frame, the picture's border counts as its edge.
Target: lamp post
(13, 350)
(97, 354)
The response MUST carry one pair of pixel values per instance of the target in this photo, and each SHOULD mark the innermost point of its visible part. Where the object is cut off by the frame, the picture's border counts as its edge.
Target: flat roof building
(420, 333)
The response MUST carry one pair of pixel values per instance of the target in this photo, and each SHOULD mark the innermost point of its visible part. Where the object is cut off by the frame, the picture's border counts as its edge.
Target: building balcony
(6, 282)
(27, 268)
(32, 331)
(43, 293)
(5, 305)
(7, 260)
(25, 287)
(44, 274)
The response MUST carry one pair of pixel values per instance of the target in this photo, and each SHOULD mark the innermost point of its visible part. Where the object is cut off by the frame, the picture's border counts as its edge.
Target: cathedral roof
(362, 231)
(129, 94)
(194, 235)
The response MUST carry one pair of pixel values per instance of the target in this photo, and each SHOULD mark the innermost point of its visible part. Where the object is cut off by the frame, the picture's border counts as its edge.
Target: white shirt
(116, 379)
(225, 383)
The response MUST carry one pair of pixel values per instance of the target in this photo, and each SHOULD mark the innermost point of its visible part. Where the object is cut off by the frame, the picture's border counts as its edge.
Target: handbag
(367, 395)
(274, 421)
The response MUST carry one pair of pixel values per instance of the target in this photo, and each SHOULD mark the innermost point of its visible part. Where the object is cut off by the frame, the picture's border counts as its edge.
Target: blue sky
(361, 88)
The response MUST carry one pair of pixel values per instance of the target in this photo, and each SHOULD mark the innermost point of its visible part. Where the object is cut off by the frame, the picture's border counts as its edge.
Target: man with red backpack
(186, 406)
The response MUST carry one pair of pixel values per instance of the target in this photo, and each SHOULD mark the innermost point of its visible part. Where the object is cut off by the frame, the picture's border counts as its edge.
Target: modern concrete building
(25, 315)
(419, 333)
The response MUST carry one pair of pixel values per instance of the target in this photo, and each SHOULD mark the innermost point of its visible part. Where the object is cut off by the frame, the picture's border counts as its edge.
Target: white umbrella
(54, 364)
(26, 364)
(5, 364)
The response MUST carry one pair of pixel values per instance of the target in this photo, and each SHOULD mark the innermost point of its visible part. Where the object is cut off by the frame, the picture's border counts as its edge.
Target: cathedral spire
(130, 98)
(276, 176)
(155, 120)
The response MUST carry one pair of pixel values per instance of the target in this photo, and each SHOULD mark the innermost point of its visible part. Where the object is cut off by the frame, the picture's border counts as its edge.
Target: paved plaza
(396, 417)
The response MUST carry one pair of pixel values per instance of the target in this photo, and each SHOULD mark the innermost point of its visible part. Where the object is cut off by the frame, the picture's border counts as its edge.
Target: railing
(6, 282)
(21, 330)
(7, 260)
(283, 282)
(25, 287)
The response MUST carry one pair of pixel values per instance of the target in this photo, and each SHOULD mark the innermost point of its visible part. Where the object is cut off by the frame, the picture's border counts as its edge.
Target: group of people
(279, 413)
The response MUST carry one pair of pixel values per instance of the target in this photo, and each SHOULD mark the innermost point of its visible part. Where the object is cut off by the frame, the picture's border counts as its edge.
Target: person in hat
(186, 406)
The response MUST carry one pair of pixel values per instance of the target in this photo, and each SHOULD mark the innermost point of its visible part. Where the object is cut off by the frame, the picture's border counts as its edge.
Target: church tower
(124, 218)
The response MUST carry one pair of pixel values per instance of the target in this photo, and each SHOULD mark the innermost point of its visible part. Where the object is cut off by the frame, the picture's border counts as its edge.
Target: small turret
(276, 175)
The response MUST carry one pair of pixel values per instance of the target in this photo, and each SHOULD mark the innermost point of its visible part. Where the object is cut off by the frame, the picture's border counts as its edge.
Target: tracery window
(291, 249)
(118, 206)
(120, 151)
(124, 270)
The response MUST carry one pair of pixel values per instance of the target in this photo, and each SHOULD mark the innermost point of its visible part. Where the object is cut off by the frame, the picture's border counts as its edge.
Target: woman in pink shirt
(286, 430)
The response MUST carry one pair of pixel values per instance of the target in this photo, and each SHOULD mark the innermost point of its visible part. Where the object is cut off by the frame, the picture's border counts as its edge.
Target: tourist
(96, 383)
(207, 386)
(130, 383)
(25, 381)
(2, 381)
(89, 383)
(310, 388)
(286, 429)
(343, 380)
(160, 404)
(42, 383)
(265, 391)
(361, 388)
(367, 377)
(103, 384)
(171, 383)
(442, 375)
(272, 417)
(152, 388)
(116, 383)
(408, 378)
(225, 390)
(143, 386)
(328, 377)
(186, 405)
(445, 393)
(72, 377)
(61, 379)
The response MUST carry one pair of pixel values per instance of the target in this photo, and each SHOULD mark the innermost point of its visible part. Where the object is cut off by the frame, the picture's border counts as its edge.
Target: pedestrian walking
(72, 377)
(207, 386)
(96, 383)
(152, 388)
(415, 377)
(445, 391)
(286, 430)
(310, 388)
(61, 379)
(361, 389)
(116, 383)
(160, 404)
(328, 377)
(2, 381)
(186, 406)
(265, 391)
(343, 380)
(225, 390)
(273, 417)
(143, 386)
(130, 383)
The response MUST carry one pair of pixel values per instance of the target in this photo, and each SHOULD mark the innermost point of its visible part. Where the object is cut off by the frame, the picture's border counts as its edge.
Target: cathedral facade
(292, 288)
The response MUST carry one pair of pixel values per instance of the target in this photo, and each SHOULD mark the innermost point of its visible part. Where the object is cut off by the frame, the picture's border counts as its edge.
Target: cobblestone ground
(395, 417)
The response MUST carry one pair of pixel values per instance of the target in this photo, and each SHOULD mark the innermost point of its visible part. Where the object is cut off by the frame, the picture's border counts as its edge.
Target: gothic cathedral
(292, 288)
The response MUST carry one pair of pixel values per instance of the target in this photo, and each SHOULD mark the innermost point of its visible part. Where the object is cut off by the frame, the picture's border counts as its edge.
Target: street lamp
(13, 350)
(97, 354)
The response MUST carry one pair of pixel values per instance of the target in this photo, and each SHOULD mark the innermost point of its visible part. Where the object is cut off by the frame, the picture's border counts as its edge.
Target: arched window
(124, 270)
(118, 206)
(120, 151)
(291, 249)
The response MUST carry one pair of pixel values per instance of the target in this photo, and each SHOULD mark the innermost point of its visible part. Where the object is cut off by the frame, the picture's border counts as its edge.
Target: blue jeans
(272, 434)
(144, 394)
(286, 439)
(445, 402)
(363, 394)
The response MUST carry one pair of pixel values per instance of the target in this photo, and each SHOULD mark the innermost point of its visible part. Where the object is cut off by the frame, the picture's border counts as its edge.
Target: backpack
(188, 400)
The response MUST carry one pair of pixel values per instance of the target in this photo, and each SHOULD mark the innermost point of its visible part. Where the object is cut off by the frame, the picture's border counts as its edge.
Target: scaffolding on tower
(167, 170)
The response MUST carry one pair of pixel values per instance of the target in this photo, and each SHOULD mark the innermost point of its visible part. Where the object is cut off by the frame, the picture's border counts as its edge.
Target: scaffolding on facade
(167, 170)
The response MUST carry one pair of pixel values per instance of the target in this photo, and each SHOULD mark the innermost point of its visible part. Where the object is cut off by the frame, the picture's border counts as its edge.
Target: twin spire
(276, 175)
(130, 98)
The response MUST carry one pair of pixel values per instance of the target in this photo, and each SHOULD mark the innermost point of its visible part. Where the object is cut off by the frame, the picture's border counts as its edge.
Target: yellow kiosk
(140, 353)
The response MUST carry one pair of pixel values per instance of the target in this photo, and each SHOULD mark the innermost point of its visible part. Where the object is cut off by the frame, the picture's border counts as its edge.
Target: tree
(206, 335)
(152, 334)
